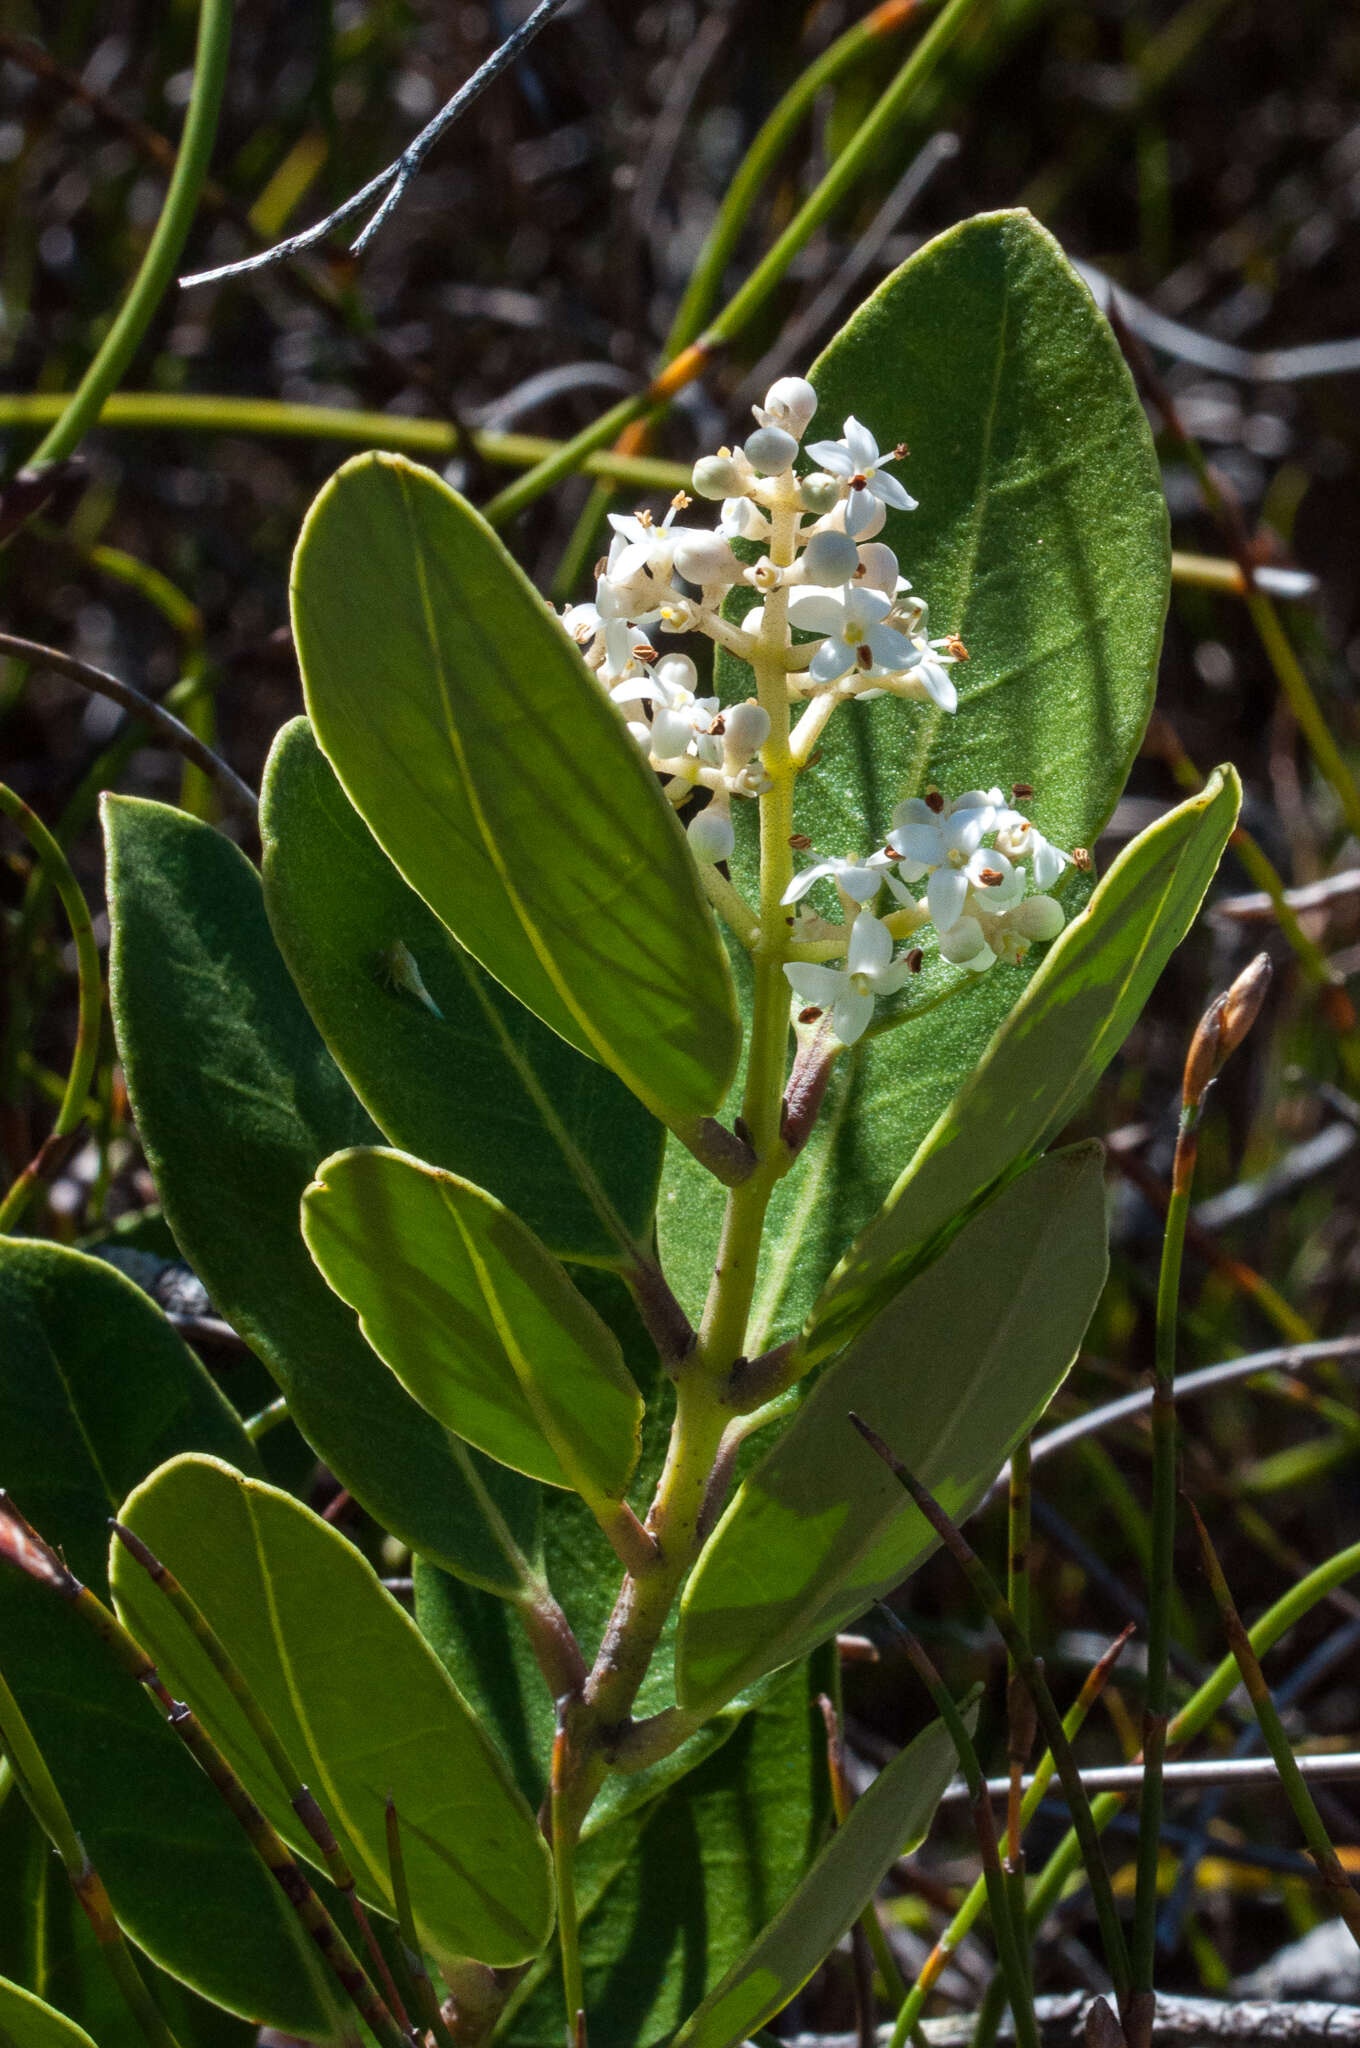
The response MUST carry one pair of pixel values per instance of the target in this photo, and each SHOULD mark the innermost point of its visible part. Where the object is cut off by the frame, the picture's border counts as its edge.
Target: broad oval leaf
(490, 767)
(478, 1322)
(1041, 539)
(360, 1703)
(236, 1100)
(951, 1373)
(1048, 1055)
(443, 1058)
(887, 1822)
(28, 2022)
(96, 1390)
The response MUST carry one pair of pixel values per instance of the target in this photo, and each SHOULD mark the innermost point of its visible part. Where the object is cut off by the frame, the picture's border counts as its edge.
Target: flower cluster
(849, 626)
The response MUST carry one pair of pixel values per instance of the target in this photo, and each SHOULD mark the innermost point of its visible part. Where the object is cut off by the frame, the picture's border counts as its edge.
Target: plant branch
(388, 189)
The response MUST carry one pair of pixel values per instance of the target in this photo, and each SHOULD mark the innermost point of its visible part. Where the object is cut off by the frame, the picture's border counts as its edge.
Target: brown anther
(644, 517)
(644, 651)
(859, 482)
(860, 572)
(602, 565)
(719, 726)
(681, 502)
(934, 801)
(800, 842)
(991, 878)
(1081, 860)
(915, 959)
(954, 646)
(864, 657)
(809, 1015)
(1022, 789)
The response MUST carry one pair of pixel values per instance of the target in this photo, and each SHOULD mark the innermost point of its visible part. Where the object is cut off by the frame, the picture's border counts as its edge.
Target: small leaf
(443, 1058)
(478, 1322)
(96, 1389)
(26, 2022)
(1048, 1055)
(360, 1703)
(236, 1099)
(490, 767)
(952, 1372)
(888, 1822)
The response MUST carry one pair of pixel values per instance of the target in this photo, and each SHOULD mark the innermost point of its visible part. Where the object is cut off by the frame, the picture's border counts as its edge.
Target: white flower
(1022, 840)
(742, 520)
(678, 716)
(947, 846)
(980, 939)
(857, 635)
(856, 457)
(859, 878)
(850, 992)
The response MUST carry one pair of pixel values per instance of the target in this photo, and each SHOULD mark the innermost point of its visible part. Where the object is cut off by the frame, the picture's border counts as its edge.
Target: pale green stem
(89, 1006)
(157, 270)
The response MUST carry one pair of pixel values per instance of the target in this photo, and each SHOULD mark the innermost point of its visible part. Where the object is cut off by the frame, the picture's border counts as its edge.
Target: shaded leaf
(1048, 1055)
(672, 1893)
(887, 1822)
(236, 1100)
(490, 767)
(26, 2022)
(362, 1706)
(445, 1060)
(951, 1373)
(96, 1389)
(478, 1322)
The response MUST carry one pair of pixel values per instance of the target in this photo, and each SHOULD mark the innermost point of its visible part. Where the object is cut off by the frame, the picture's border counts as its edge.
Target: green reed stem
(1339, 1888)
(106, 372)
(89, 1006)
(993, 1600)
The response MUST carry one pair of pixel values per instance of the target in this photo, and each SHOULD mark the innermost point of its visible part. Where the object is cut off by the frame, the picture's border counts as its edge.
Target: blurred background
(1201, 158)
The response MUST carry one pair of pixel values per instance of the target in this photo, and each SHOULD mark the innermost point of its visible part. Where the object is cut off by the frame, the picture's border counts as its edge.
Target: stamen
(915, 959)
(1081, 859)
(1022, 789)
(934, 801)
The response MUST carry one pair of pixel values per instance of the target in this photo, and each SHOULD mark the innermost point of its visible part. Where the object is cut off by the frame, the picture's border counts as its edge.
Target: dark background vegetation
(1205, 156)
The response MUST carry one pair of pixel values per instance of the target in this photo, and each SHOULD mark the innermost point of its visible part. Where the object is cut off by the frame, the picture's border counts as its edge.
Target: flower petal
(861, 444)
(890, 491)
(815, 984)
(946, 895)
(832, 457)
(816, 611)
(871, 945)
(831, 660)
(852, 1013)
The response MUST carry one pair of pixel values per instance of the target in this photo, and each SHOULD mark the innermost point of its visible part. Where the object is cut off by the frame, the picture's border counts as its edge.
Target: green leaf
(1047, 1056)
(951, 1373)
(236, 1100)
(447, 1063)
(96, 1389)
(478, 1322)
(1041, 539)
(888, 1822)
(360, 1703)
(673, 1893)
(26, 2022)
(490, 767)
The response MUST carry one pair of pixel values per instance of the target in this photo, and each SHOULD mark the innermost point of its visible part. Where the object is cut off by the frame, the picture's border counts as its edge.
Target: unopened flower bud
(830, 557)
(790, 403)
(745, 732)
(770, 450)
(877, 568)
(1223, 1026)
(819, 492)
(718, 476)
(676, 672)
(711, 837)
(706, 559)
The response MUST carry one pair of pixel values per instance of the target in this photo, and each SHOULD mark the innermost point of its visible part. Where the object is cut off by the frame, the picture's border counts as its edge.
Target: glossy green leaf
(673, 1893)
(952, 1372)
(1048, 1055)
(490, 767)
(361, 1704)
(446, 1061)
(888, 1822)
(1041, 539)
(478, 1322)
(96, 1390)
(236, 1100)
(26, 2022)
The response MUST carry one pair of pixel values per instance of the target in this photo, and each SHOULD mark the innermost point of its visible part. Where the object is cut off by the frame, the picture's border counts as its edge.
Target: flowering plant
(637, 1055)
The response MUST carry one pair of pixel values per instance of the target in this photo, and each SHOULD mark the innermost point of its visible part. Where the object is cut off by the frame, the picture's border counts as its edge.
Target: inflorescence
(855, 629)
